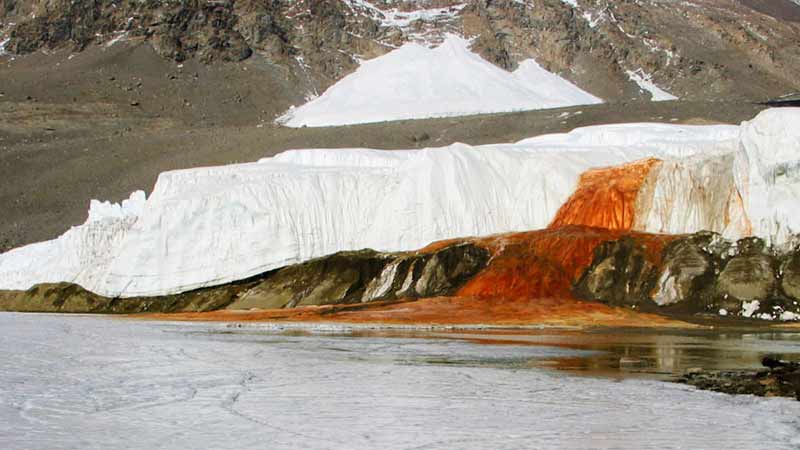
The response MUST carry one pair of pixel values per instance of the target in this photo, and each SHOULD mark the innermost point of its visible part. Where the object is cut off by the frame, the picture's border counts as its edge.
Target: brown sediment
(450, 311)
(606, 197)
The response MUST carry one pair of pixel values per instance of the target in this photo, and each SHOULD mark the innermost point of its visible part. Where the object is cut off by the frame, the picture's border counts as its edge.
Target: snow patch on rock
(415, 82)
(645, 83)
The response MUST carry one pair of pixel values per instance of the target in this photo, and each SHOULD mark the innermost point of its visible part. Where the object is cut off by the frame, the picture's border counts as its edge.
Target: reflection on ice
(92, 382)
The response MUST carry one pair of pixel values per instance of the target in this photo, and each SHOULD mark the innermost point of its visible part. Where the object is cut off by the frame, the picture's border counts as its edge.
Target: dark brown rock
(365, 276)
(687, 268)
(619, 275)
(340, 278)
(697, 274)
(779, 379)
(748, 276)
(71, 298)
(790, 276)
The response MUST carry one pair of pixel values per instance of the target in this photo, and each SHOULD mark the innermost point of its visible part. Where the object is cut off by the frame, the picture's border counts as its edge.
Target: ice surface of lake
(76, 382)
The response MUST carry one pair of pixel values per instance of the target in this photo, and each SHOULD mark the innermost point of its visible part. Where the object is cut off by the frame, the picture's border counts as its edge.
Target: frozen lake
(79, 382)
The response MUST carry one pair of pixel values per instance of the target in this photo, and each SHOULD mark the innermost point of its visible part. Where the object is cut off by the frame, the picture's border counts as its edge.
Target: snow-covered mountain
(208, 226)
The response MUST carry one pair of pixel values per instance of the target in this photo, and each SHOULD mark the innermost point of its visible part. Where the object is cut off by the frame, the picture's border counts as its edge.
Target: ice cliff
(207, 226)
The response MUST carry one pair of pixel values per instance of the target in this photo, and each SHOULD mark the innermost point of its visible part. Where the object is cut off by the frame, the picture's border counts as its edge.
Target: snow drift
(415, 82)
(206, 226)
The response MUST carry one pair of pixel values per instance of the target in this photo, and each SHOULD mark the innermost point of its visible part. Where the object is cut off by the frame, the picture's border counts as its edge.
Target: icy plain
(71, 382)
(416, 82)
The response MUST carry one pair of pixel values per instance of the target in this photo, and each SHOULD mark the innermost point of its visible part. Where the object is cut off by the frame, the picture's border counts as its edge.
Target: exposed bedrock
(697, 273)
(777, 378)
(71, 298)
(619, 275)
(366, 276)
(342, 278)
(686, 268)
(696, 50)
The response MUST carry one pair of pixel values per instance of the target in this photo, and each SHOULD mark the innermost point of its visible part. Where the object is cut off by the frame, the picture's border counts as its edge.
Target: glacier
(414, 82)
(207, 226)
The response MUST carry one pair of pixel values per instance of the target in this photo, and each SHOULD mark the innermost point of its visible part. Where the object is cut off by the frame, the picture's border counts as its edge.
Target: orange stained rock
(544, 263)
(527, 281)
(606, 197)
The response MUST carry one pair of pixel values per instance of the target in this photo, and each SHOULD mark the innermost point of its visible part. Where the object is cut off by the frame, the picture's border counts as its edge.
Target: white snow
(789, 316)
(93, 383)
(645, 83)
(78, 253)
(423, 25)
(131, 207)
(118, 36)
(212, 225)
(750, 308)
(416, 82)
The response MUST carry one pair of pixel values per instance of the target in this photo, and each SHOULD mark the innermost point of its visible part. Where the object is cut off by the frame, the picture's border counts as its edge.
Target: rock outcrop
(686, 269)
(700, 273)
(777, 379)
(366, 276)
(620, 274)
(71, 298)
(339, 279)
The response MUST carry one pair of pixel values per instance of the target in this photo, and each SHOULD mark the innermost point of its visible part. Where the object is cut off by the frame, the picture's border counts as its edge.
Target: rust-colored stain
(606, 197)
(544, 263)
(450, 311)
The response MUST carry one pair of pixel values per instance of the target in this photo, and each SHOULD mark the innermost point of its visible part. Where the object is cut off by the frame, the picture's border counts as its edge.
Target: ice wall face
(691, 194)
(768, 173)
(208, 226)
(78, 255)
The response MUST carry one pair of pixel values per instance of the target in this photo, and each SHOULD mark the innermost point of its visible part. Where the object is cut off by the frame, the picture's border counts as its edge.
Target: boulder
(619, 275)
(790, 273)
(688, 266)
(697, 274)
(748, 276)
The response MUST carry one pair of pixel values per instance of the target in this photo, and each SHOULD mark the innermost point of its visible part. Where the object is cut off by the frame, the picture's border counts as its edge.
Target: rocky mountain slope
(703, 49)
